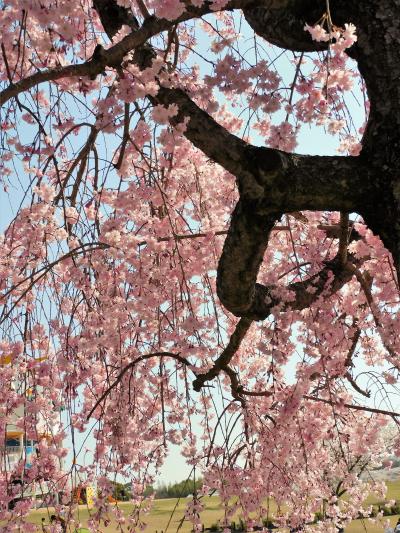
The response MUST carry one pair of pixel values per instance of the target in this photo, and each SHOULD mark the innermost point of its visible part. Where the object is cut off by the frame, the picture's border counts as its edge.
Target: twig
(43, 271)
(200, 235)
(81, 161)
(353, 383)
(393, 414)
(225, 358)
(365, 280)
(344, 237)
(125, 137)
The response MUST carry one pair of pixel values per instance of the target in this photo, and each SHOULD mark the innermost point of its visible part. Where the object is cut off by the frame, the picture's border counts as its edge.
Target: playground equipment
(84, 494)
(17, 448)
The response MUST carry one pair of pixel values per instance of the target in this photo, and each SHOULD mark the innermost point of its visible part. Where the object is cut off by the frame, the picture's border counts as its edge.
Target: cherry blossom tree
(174, 273)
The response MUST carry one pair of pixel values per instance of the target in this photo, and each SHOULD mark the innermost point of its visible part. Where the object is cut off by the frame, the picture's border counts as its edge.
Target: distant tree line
(121, 492)
(182, 489)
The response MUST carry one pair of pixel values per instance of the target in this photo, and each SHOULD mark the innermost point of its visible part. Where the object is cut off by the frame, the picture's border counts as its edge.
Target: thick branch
(114, 16)
(205, 133)
(271, 183)
(282, 182)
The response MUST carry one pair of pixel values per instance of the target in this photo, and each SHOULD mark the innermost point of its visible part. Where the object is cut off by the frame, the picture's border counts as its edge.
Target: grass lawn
(162, 510)
(365, 526)
(158, 519)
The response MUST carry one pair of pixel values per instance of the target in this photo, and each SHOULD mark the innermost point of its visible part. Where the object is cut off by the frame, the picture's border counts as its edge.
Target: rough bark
(114, 16)
(377, 53)
(284, 26)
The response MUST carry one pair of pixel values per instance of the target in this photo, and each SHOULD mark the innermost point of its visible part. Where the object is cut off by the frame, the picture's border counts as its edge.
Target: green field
(158, 518)
(171, 510)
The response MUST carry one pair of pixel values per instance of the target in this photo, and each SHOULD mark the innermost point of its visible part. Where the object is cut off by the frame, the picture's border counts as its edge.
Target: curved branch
(284, 26)
(271, 183)
(356, 387)
(305, 293)
(205, 133)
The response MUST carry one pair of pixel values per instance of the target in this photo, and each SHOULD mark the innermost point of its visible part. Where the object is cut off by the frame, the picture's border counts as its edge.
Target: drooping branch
(364, 408)
(131, 365)
(365, 282)
(191, 236)
(36, 276)
(113, 56)
(226, 149)
(344, 237)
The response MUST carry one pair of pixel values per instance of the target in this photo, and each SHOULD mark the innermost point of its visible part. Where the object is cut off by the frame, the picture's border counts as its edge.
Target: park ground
(162, 510)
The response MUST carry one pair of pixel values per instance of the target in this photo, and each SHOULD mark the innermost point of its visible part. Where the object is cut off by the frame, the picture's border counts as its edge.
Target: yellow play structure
(84, 494)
